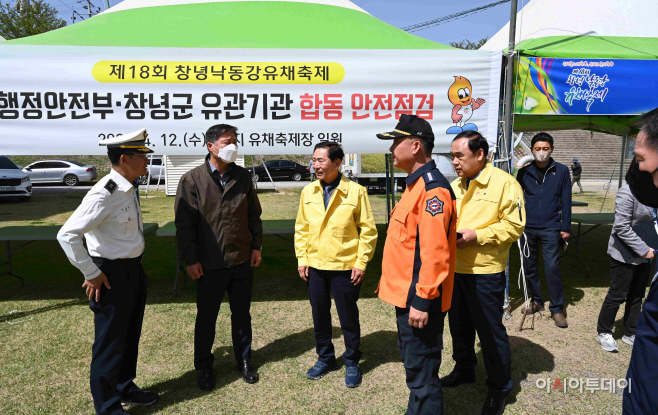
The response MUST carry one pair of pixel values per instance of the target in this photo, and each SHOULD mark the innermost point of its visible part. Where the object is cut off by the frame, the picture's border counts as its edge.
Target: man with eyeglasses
(110, 219)
(220, 233)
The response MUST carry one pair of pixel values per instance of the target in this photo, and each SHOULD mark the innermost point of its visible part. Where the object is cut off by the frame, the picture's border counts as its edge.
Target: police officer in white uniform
(110, 219)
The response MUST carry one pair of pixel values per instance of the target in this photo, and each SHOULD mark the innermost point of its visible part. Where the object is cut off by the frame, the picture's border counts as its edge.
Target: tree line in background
(468, 45)
(27, 19)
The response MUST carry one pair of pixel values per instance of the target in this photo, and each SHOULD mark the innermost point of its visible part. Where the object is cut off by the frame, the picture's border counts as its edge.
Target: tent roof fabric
(582, 29)
(322, 24)
(624, 29)
(590, 47)
(137, 4)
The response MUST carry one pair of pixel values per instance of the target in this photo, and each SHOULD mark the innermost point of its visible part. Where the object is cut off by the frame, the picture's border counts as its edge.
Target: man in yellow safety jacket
(335, 237)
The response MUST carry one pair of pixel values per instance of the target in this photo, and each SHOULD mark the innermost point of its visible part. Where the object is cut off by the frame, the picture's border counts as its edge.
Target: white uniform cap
(135, 141)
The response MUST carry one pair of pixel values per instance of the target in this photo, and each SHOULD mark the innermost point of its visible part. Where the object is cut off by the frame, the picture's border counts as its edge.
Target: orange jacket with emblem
(418, 268)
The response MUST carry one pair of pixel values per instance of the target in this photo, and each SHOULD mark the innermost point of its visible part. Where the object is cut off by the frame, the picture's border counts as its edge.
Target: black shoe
(140, 398)
(494, 405)
(249, 373)
(458, 377)
(206, 379)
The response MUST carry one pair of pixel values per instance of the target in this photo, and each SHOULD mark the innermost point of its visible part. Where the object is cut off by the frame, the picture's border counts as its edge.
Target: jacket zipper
(541, 190)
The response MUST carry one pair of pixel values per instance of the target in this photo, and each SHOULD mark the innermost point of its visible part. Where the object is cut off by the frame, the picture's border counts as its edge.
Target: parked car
(68, 172)
(13, 181)
(281, 169)
(157, 171)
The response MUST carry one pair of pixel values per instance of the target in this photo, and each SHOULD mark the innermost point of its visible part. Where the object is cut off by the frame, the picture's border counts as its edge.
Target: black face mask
(641, 184)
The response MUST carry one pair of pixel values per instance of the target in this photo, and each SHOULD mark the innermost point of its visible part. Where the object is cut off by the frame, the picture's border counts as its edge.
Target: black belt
(101, 259)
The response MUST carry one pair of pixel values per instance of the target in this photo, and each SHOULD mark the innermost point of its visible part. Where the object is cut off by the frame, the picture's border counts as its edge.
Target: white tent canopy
(567, 18)
(564, 47)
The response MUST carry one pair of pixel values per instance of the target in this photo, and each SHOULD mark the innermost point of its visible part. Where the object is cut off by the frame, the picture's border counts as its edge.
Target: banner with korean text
(62, 100)
(549, 86)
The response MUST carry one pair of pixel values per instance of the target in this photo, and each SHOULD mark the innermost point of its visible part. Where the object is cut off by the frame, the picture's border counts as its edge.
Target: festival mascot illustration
(459, 94)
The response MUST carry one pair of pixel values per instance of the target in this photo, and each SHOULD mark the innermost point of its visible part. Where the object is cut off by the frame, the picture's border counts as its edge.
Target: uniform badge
(111, 186)
(434, 206)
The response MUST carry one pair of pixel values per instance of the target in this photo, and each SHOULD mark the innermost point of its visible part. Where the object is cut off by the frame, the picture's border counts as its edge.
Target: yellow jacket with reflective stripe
(339, 238)
(494, 207)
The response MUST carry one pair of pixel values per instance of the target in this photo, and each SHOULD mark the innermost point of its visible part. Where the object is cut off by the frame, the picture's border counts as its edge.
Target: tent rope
(608, 185)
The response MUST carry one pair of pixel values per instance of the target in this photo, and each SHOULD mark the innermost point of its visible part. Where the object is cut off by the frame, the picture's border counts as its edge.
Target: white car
(13, 181)
(60, 171)
(156, 170)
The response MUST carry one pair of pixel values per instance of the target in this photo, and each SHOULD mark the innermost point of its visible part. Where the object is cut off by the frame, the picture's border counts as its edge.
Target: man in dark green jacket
(219, 233)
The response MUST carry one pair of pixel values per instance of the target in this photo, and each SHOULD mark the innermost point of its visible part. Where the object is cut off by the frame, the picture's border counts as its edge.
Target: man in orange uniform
(419, 261)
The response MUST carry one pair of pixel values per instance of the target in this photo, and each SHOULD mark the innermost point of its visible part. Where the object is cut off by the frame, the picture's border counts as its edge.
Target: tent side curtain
(616, 125)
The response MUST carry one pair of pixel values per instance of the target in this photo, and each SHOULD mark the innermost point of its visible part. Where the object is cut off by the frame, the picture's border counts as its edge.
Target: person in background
(491, 216)
(641, 396)
(547, 192)
(335, 238)
(419, 262)
(219, 231)
(312, 170)
(110, 219)
(628, 277)
(576, 172)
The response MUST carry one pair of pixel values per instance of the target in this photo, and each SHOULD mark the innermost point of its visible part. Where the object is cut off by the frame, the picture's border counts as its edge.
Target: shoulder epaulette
(434, 179)
(430, 177)
(110, 186)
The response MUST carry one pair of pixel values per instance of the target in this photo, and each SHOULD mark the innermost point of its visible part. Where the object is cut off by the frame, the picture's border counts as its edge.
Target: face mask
(542, 156)
(228, 153)
(641, 184)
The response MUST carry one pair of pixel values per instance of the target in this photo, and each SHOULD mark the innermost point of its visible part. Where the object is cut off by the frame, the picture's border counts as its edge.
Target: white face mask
(228, 153)
(542, 156)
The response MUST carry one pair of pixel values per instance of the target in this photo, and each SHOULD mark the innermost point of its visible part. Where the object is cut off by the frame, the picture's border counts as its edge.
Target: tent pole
(268, 173)
(509, 86)
(388, 187)
(162, 166)
(393, 184)
(621, 162)
(508, 128)
(148, 174)
(253, 171)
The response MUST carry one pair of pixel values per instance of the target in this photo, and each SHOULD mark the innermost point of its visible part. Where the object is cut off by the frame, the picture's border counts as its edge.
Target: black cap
(407, 126)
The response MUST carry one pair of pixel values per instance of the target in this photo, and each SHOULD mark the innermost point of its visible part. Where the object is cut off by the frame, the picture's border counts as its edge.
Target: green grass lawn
(45, 347)
(156, 207)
